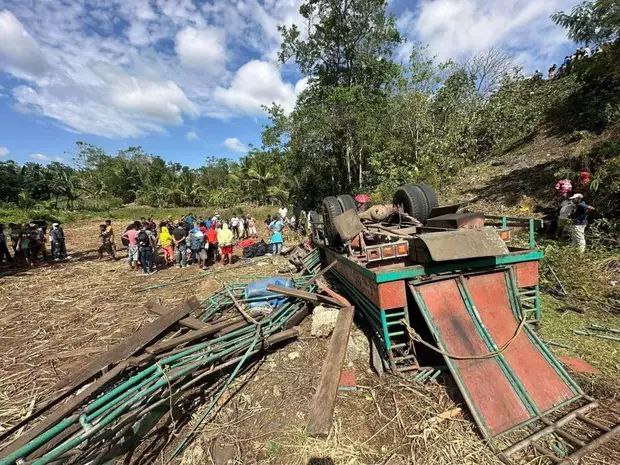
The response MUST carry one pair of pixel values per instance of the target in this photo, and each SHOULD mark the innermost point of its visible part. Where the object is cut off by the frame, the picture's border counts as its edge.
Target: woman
(225, 240)
(166, 243)
(276, 228)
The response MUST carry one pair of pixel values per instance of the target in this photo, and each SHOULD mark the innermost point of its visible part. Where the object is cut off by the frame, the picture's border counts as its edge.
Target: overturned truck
(442, 288)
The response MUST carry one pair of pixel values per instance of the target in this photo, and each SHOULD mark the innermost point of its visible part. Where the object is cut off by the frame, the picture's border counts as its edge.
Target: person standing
(277, 240)
(179, 235)
(23, 245)
(580, 221)
(225, 240)
(4, 250)
(106, 244)
(131, 235)
(166, 242)
(57, 238)
(110, 230)
(145, 249)
(234, 225)
(212, 241)
(252, 227)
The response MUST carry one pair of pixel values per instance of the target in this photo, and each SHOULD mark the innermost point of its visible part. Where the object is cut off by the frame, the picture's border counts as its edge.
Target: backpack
(143, 239)
(256, 250)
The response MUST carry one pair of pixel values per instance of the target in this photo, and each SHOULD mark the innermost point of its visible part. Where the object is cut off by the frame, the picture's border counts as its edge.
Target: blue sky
(186, 79)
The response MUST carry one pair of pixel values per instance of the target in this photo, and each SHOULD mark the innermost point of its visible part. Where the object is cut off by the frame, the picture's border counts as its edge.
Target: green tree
(592, 22)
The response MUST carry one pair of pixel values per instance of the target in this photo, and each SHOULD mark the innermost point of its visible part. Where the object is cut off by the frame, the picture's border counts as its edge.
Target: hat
(576, 196)
(55, 224)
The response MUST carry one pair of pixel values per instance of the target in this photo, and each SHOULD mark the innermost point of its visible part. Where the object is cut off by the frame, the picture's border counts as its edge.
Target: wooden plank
(189, 322)
(304, 295)
(119, 352)
(190, 336)
(324, 400)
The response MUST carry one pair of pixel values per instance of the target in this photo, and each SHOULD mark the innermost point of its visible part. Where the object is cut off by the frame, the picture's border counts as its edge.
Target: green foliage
(592, 22)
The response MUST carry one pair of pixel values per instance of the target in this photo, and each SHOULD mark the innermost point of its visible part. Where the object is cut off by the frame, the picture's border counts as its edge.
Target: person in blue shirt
(580, 221)
(277, 240)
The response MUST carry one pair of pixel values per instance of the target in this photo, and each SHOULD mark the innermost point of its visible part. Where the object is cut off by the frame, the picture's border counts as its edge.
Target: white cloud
(3, 151)
(20, 54)
(234, 144)
(202, 49)
(126, 69)
(45, 158)
(255, 84)
(457, 29)
(191, 136)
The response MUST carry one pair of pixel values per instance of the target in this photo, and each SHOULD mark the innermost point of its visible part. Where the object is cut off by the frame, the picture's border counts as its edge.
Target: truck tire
(331, 209)
(431, 196)
(346, 202)
(413, 200)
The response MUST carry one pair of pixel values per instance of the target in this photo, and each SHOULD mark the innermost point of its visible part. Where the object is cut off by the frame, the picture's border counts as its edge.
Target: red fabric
(203, 229)
(227, 250)
(362, 198)
(246, 243)
(584, 177)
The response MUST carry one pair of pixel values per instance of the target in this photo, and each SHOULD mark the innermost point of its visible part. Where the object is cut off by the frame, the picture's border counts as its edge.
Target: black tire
(346, 202)
(431, 196)
(331, 209)
(413, 200)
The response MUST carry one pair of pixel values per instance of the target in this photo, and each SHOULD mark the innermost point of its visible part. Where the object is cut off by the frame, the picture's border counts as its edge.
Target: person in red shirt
(131, 235)
(212, 240)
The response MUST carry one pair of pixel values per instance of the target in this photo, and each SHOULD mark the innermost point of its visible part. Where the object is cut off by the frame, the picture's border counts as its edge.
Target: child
(106, 244)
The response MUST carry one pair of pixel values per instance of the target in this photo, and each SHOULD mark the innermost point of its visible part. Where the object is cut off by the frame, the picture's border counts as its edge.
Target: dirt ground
(54, 317)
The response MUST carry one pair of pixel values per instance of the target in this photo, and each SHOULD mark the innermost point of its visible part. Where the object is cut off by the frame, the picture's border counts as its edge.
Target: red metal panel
(490, 393)
(542, 382)
(392, 295)
(526, 273)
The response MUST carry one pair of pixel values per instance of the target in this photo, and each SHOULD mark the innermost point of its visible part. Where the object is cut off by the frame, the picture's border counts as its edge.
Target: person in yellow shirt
(225, 241)
(166, 242)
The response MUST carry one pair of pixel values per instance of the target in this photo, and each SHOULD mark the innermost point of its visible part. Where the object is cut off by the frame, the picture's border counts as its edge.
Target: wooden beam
(324, 400)
(189, 322)
(304, 295)
(118, 353)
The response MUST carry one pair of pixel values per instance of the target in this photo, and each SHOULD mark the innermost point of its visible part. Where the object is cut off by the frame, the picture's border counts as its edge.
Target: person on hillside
(179, 234)
(166, 242)
(564, 187)
(146, 241)
(110, 230)
(225, 241)
(131, 236)
(106, 242)
(212, 242)
(4, 250)
(567, 208)
(57, 239)
(277, 240)
(580, 221)
(551, 73)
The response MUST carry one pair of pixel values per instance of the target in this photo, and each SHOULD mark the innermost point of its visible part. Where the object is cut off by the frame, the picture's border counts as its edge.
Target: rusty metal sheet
(476, 314)
(348, 225)
(495, 405)
(462, 244)
(540, 378)
(392, 295)
(526, 273)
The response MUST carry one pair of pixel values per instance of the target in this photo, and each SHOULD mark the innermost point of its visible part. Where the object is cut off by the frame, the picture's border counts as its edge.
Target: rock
(293, 355)
(323, 321)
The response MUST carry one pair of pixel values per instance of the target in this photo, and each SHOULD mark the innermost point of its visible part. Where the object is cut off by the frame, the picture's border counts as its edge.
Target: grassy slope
(520, 182)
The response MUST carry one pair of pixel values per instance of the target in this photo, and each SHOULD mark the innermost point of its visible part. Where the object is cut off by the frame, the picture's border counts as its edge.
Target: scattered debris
(347, 380)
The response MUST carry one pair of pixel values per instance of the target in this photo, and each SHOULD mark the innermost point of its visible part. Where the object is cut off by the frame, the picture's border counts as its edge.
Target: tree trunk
(361, 170)
(348, 161)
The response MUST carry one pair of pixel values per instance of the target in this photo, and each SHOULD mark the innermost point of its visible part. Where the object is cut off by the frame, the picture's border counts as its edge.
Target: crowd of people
(555, 72)
(189, 240)
(29, 243)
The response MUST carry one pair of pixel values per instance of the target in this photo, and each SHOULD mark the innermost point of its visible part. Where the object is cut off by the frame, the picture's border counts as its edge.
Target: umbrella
(362, 198)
